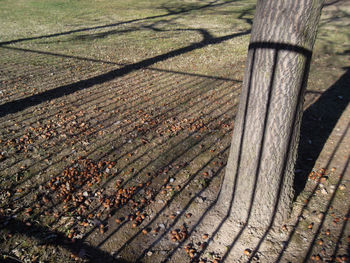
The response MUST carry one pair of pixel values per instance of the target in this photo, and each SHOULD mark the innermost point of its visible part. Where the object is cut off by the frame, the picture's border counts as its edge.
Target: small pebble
(342, 187)
(320, 215)
(324, 191)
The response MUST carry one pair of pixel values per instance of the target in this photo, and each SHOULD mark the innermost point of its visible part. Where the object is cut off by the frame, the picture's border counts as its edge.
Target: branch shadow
(21, 104)
(171, 10)
(45, 236)
(202, 85)
(138, 173)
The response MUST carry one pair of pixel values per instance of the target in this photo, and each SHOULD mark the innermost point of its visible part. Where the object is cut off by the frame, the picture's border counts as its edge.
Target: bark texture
(258, 184)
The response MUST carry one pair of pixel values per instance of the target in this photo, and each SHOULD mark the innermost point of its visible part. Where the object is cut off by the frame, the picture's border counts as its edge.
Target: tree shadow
(60, 240)
(317, 124)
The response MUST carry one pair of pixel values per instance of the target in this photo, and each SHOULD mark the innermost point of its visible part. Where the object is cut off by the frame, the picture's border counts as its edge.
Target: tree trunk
(258, 184)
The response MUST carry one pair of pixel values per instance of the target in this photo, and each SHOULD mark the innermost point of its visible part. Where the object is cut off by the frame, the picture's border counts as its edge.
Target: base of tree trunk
(239, 242)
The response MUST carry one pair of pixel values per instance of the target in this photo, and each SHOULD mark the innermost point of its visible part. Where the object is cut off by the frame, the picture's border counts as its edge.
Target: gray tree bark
(258, 184)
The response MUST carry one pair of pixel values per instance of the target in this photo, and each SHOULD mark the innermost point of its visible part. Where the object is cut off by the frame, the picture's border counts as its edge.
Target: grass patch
(114, 31)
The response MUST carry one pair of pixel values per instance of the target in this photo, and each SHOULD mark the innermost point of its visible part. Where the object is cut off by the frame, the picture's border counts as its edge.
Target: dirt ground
(111, 160)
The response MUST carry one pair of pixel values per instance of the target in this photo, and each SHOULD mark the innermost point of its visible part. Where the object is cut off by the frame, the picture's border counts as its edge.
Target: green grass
(24, 18)
(128, 33)
(53, 15)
